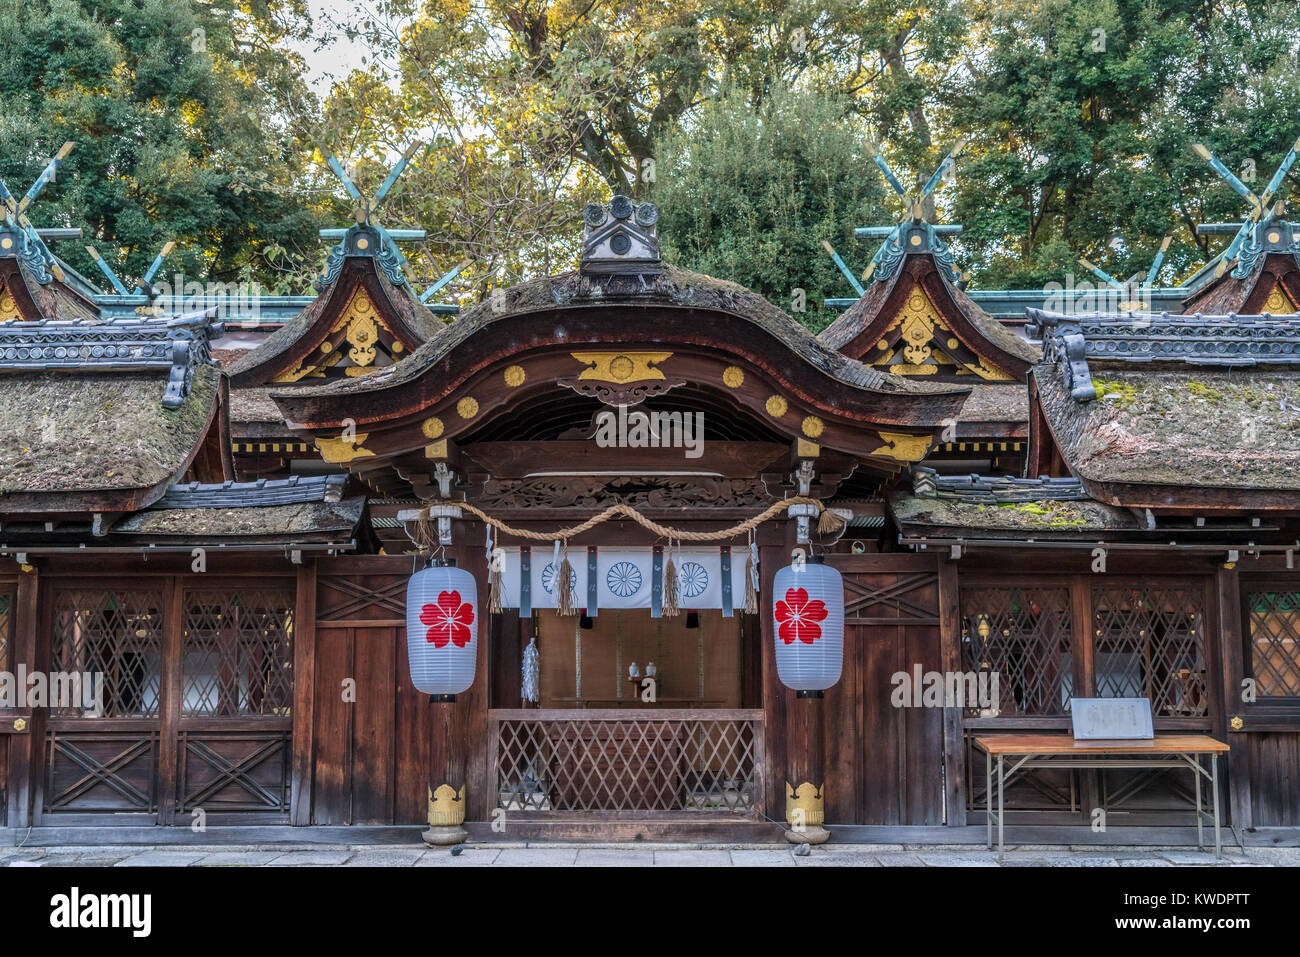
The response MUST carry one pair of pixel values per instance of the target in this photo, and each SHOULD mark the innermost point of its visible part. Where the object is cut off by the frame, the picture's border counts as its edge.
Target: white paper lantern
(442, 629)
(808, 608)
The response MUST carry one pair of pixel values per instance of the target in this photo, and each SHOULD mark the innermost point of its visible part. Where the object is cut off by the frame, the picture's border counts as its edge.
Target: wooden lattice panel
(238, 652)
(1273, 620)
(116, 633)
(1151, 641)
(234, 772)
(627, 764)
(102, 772)
(1024, 636)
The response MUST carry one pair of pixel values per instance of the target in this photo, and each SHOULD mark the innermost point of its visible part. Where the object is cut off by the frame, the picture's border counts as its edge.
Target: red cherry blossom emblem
(798, 617)
(448, 621)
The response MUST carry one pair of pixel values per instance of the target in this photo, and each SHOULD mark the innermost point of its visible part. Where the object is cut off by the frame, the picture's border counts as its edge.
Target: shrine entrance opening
(603, 735)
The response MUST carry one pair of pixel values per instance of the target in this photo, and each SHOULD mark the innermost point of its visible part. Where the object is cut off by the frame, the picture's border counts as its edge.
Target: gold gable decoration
(361, 326)
(1278, 303)
(927, 343)
(8, 307)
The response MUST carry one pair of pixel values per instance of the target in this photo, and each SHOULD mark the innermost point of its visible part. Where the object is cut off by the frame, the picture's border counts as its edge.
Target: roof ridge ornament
(364, 237)
(1227, 341)
(912, 234)
(18, 237)
(620, 238)
(178, 344)
(1250, 241)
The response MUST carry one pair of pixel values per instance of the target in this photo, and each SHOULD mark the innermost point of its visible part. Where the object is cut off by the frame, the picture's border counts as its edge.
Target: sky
(339, 56)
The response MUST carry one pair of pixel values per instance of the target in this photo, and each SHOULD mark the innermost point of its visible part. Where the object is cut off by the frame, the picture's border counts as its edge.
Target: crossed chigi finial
(28, 240)
(1245, 245)
(390, 256)
(912, 228)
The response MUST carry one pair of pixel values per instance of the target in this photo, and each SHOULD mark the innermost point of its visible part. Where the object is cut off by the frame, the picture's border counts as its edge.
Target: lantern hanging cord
(663, 531)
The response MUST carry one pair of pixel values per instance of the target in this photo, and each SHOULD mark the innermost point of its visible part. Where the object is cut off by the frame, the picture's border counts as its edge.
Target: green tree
(749, 192)
(175, 110)
(1082, 115)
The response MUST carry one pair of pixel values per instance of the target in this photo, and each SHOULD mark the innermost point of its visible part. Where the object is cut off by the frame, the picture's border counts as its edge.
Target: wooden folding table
(1063, 751)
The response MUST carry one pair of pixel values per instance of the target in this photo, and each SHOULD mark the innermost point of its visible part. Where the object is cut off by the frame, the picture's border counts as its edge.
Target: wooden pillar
(304, 691)
(24, 745)
(1226, 698)
(954, 741)
(447, 773)
(173, 689)
(774, 553)
(805, 805)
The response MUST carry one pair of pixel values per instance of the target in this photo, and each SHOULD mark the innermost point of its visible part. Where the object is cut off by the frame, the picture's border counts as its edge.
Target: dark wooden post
(304, 690)
(24, 746)
(446, 773)
(805, 805)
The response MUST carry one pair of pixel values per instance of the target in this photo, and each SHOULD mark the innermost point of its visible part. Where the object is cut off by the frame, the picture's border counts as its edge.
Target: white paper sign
(1111, 718)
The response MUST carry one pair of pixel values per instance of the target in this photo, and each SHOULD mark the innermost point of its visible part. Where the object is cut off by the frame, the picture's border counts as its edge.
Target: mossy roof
(1047, 517)
(299, 520)
(66, 432)
(1232, 429)
(1000, 402)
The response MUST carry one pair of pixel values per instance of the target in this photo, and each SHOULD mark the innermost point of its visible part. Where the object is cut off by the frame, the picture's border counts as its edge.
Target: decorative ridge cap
(229, 494)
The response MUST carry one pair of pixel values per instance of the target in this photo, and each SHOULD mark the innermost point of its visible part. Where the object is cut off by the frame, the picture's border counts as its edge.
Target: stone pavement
(638, 855)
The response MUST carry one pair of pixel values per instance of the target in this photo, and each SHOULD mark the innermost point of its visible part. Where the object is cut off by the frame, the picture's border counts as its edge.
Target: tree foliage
(175, 110)
(750, 192)
(749, 120)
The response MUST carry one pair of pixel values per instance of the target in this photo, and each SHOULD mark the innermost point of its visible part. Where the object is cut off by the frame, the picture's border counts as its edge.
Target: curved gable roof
(407, 321)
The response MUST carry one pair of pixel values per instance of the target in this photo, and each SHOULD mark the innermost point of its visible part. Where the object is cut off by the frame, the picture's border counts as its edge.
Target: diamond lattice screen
(1023, 635)
(1274, 623)
(1151, 642)
(627, 765)
(116, 634)
(238, 651)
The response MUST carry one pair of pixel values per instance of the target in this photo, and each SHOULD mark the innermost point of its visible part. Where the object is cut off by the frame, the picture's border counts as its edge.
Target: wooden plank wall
(369, 728)
(884, 764)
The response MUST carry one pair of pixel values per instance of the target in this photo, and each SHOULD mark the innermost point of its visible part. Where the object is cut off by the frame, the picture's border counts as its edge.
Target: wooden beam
(24, 748)
(954, 741)
(304, 693)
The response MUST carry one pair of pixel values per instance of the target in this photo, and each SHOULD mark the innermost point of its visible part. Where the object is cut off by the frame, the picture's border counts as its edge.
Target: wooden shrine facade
(250, 632)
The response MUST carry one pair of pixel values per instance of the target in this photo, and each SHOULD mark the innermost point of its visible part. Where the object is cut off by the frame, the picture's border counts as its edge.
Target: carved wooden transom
(1278, 302)
(920, 342)
(8, 306)
(357, 343)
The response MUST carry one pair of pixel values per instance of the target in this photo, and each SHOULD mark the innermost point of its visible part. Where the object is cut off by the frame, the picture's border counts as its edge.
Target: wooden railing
(703, 760)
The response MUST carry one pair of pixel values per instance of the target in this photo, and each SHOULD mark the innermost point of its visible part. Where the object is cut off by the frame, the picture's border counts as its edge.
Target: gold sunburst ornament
(467, 407)
(776, 406)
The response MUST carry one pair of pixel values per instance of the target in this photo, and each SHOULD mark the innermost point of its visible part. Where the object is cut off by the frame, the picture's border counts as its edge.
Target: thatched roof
(254, 405)
(1235, 429)
(1001, 402)
(300, 521)
(67, 432)
(1045, 518)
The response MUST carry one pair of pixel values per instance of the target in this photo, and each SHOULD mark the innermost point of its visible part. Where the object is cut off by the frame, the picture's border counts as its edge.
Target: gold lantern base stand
(446, 817)
(805, 813)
